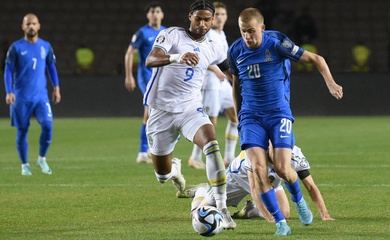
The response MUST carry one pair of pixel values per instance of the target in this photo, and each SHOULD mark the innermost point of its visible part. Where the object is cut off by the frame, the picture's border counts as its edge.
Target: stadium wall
(106, 96)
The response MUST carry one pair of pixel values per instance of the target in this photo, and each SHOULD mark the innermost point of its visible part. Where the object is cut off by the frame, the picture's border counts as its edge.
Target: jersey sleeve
(288, 49)
(166, 39)
(11, 56)
(51, 58)
(136, 40)
(220, 54)
(233, 67)
(298, 160)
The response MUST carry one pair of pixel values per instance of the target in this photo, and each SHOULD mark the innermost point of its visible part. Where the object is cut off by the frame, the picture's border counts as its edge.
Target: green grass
(97, 191)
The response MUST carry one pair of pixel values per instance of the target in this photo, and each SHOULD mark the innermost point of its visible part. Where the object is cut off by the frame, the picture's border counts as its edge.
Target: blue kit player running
(260, 78)
(142, 42)
(25, 83)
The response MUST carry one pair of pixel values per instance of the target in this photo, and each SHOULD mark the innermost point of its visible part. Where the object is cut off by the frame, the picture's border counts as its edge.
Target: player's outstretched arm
(321, 65)
(158, 58)
(220, 75)
(316, 197)
(129, 59)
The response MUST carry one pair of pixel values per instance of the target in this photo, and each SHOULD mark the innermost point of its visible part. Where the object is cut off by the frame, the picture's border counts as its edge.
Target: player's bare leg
(167, 168)
(282, 158)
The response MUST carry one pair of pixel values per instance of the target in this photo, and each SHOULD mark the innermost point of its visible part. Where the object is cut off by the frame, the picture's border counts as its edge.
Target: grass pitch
(97, 191)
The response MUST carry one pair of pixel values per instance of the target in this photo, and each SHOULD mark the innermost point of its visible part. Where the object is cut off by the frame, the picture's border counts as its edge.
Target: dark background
(107, 27)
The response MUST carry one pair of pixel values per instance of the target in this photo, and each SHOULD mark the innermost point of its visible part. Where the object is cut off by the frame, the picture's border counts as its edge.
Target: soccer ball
(207, 221)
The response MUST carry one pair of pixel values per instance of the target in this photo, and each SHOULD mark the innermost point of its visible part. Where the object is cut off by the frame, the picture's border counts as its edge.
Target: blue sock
(270, 202)
(22, 145)
(295, 190)
(45, 139)
(143, 146)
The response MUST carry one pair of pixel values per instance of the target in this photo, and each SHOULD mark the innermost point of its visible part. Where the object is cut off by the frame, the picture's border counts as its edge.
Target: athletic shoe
(228, 222)
(197, 164)
(26, 170)
(190, 192)
(248, 211)
(143, 158)
(304, 212)
(282, 229)
(45, 168)
(179, 182)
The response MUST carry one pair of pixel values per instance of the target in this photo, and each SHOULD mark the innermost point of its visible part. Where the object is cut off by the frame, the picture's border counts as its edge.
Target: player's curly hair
(202, 5)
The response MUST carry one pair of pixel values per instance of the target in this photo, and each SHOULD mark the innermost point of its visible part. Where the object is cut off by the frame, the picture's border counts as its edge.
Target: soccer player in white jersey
(180, 58)
(217, 94)
(240, 184)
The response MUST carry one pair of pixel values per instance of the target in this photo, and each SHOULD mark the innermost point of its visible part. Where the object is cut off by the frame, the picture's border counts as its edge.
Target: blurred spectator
(361, 57)
(305, 29)
(84, 60)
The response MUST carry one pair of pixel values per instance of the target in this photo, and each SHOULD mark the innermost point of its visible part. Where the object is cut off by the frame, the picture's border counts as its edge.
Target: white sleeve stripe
(294, 50)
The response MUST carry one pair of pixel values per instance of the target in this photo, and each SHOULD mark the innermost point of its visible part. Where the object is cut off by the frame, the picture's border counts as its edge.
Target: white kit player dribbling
(179, 59)
(217, 94)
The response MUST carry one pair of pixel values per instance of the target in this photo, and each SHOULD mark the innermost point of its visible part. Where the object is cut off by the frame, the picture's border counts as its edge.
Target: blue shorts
(256, 130)
(21, 112)
(142, 80)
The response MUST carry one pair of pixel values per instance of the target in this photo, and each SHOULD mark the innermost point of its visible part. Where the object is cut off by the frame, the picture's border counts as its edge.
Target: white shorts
(163, 128)
(217, 100)
(237, 188)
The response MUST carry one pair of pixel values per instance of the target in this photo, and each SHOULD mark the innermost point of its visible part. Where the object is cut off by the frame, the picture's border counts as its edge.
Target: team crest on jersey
(287, 43)
(303, 163)
(268, 56)
(196, 49)
(134, 38)
(43, 52)
(160, 39)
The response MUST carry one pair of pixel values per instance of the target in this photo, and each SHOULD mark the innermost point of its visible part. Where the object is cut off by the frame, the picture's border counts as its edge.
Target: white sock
(231, 136)
(196, 154)
(216, 172)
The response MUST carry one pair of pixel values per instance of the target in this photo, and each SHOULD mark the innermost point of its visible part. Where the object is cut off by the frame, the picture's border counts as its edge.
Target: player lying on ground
(239, 185)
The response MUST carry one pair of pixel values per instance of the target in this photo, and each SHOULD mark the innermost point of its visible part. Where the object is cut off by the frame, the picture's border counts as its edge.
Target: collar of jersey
(201, 40)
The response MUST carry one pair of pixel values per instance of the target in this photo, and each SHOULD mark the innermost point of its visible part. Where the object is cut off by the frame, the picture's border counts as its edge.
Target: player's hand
(221, 76)
(336, 90)
(270, 220)
(130, 84)
(191, 59)
(10, 98)
(56, 96)
(327, 217)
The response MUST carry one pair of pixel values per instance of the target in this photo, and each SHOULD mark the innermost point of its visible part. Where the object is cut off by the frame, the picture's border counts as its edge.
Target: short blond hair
(251, 13)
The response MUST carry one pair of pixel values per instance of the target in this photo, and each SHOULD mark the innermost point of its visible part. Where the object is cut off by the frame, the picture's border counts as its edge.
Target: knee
(46, 126)
(21, 136)
(284, 171)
